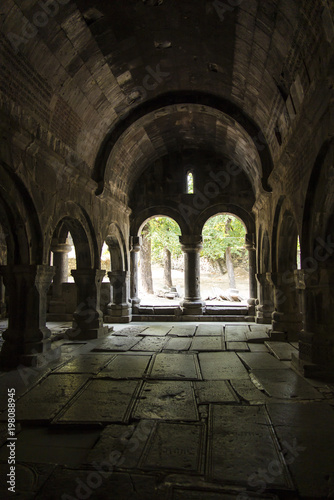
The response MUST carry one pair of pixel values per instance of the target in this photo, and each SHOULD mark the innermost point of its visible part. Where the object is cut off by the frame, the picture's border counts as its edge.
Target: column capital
(191, 243)
(61, 248)
(135, 243)
(249, 242)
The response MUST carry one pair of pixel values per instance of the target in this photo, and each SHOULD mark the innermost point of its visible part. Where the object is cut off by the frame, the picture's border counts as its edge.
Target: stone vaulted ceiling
(121, 83)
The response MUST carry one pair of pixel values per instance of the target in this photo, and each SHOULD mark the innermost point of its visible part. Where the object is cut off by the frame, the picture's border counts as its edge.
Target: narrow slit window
(190, 183)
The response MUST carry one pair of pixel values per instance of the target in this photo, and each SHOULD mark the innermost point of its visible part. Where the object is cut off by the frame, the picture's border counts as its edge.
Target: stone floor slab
(157, 330)
(241, 442)
(221, 366)
(261, 361)
(257, 347)
(286, 384)
(113, 343)
(281, 350)
(175, 446)
(44, 401)
(247, 391)
(167, 400)
(126, 366)
(130, 331)
(86, 363)
(183, 331)
(306, 434)
(175, 366)
(237, 346)
(209, 330)
(112, 441)
(207, 344)
(178, 344)
(218, 391)
(102, 401)
(236, 333)
(29, 480)
(150, 344)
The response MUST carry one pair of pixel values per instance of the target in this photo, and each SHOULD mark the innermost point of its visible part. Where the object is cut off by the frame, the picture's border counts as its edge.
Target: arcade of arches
(103, 120)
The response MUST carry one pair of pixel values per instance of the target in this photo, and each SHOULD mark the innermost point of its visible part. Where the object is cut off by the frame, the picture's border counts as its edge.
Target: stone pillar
(134, 258)
(88, 318)
(57, 304)
(27, 339)
(265, 303)
(252, 278)
(286, 318)
(119, 309)
(3, 307)
(316, 342)
(191, 246)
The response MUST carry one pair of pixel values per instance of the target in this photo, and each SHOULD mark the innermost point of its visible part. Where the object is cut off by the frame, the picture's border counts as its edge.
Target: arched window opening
(161, 278)
(190, 182)
(105, 261)
(299, 258)
(72, 260)
(224, 261)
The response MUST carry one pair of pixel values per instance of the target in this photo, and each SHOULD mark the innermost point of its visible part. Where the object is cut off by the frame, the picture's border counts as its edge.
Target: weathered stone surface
(248, 391)
(178, 344)
(183, 331)
(166, 400)
(175, 366)
(286, 384)
(261, 361)
(237, 346)
(307, 449)
(235, 432)
(46, 399)
(151, 344)
(221, 366)
(116, 344)
(86, 363)
(126, 366)
(131, 331)
(236, 333)
(282, 350)
(29, 478)
(209, 330)
(175, 447)
(157, 330)
(102, 401)
(218, 391)
(207, 344)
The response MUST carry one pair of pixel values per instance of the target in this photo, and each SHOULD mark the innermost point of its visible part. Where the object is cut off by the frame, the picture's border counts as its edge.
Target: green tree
(224, 239)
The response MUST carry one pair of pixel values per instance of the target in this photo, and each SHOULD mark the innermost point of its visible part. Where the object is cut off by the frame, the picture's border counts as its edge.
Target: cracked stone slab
(221, 366)
(44, 401)
(235, 333)
(237, 346)
(150, 344)
(257, 335)
(286, 384)
(209, 330)
(126, 366)
(102, 401)
(135, 444)
(308, 450)
(218, 391)
(178, 344)
(167, 400)
(261, 361)
(175, 446)
(257, 347)
(85, 363)
(246, 390)
(99, 483)
(175, 366)
(281, 350)
(207, 344)
(116, 344)
(235, 432)
(157, 330)
(183, 331)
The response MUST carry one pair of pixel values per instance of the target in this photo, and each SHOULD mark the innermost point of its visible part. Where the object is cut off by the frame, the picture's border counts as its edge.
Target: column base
(312, 370)
(192, 307)
(118, 313)
(11, 359)
(94, 333)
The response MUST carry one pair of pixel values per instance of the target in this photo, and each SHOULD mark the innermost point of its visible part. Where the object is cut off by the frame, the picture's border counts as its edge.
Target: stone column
(192, 303)
(3, 308)
(119, 309)
(27, 339)
(252, 278)
(135, 243)
(57, 304)
(286, 318)
(316, 342)
(88, 318)
(265, 303)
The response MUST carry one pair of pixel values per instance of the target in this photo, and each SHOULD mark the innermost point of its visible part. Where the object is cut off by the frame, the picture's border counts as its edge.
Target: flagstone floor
(169, 411)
